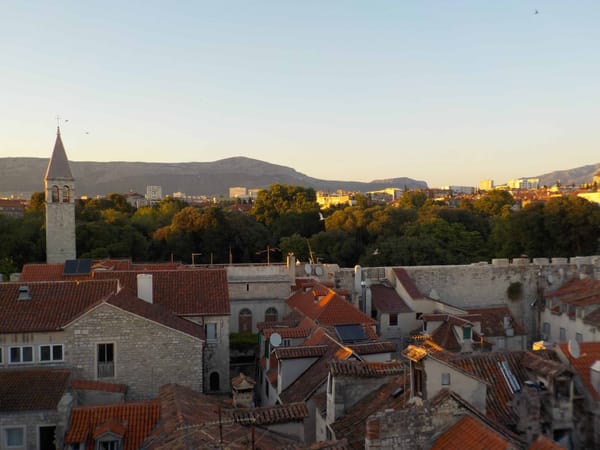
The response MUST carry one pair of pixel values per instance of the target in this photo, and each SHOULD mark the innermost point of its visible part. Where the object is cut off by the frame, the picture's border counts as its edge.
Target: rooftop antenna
(310, 252)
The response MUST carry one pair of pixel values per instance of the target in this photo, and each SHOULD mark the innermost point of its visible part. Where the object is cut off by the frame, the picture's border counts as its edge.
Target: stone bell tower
(60, 206)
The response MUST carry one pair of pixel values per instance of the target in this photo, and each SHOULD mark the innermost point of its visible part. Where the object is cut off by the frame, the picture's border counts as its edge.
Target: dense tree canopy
(287, 219)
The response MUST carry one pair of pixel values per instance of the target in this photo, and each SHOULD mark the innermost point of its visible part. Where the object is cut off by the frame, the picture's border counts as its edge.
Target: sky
(449, 92)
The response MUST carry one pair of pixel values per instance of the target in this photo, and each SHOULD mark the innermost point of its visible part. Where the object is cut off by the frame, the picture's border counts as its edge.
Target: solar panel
(351, 333)
(70, 267)
(77, 266)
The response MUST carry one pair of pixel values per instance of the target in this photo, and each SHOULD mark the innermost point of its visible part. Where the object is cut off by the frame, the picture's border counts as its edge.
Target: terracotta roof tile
(577, 292)
(408, 283)
(386, 300)
(304, 351)
(185, 292)
(492, 321)
(544, 443)
(137, 419)
(364, 369)
(32, 389)
(590, 353)
(471, 434)
(288, 333)
(292, 412)
(52, 304)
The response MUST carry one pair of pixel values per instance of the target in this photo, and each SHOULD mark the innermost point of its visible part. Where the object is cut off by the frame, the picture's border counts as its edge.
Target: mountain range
(23, 176)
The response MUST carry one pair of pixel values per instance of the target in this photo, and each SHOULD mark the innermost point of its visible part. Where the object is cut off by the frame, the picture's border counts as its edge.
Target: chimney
(24, 293)
(144, 287)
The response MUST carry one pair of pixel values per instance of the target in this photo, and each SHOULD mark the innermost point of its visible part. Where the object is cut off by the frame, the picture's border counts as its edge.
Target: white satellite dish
(307, 269)
(275, 340)
(319, 271)
(573, 347)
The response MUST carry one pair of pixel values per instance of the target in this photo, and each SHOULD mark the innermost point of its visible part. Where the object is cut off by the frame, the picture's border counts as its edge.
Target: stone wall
(147, 354)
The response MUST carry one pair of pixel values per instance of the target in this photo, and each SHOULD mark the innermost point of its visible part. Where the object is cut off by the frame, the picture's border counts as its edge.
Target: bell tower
(60, 206)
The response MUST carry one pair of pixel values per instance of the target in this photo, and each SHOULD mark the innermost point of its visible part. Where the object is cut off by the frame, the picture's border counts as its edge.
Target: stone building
(60, 206)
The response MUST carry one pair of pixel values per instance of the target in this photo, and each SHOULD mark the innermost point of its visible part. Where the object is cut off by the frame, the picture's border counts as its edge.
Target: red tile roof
(42, 272)
(288, 333)
(471, 434)
(577, 292)
(92, 385)
(492, 321)
(135, 420)
(544, 443)
(326, 307)
(386, 300)
(304, 351)
(408, 283)
(193, 292)
(364, 369)
(32, 389)
(292, 412)
(127, 301)
(590, 353)
(52, 304)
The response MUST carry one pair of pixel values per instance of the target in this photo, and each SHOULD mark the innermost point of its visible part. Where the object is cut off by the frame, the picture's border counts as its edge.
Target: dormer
(24, 293)
(109, 436)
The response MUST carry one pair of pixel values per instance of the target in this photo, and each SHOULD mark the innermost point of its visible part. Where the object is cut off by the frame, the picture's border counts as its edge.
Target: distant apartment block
(524, 183)
(243, 193)
(486, 185)
(154, 193)
(12, 208)
(459, 189)
(387, 194)
(326, 199)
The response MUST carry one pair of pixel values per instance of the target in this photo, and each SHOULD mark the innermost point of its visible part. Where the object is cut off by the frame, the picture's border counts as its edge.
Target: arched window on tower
(271, 315)
(66, 194)
(245, 321)
(55, 194)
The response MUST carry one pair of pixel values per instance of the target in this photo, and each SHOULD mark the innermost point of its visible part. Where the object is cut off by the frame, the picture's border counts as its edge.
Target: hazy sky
(450, 92)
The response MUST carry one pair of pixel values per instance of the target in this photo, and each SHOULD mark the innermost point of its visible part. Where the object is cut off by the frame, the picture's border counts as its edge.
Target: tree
(494, 203)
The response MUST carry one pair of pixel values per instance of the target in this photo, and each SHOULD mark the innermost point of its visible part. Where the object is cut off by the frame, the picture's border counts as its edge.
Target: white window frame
(14, 427)
(445, 378)
(216, 334)
(51, 360)
(21, 347)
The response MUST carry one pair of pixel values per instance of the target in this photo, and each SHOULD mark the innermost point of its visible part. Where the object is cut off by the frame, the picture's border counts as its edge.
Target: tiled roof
(136, 421)
(370, 348)
(92, 385)
(303, 351)
(191, 420)
(386, 300)
(590, 353)
(32, 389)
(406, 281)
(577, 292)
(185, 292)
(326, 307)
(364, 369)
(52, 304)
(471, 434)
(288, 333)
(125, 299)
(58, 166)
(351, 425)
(544, 443)
(492, 321)
(292, 412)
(486, 367)
(42, 272)
(593, 318)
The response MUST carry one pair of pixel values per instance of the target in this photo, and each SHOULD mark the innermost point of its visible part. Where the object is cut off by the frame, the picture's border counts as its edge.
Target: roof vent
(24, 293)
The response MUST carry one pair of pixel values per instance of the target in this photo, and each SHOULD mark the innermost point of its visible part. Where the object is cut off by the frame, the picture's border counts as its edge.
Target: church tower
(60, 206)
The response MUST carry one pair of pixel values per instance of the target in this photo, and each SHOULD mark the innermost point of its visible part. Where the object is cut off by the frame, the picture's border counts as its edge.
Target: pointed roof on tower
(58, 167)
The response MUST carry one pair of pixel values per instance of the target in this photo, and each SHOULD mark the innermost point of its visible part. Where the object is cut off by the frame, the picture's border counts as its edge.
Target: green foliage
(494, 203)
(243, 342)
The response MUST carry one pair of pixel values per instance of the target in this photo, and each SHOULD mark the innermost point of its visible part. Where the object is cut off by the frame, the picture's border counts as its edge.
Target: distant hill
(25, 176)
(577, 176)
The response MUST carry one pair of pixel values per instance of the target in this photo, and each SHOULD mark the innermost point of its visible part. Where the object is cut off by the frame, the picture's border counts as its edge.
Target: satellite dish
(319, 271)
(275, 339)
(550, 279)
(307, 269)
(573, 348)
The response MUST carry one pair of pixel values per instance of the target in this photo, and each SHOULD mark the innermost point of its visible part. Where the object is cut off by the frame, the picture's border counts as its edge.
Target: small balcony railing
(106, 369)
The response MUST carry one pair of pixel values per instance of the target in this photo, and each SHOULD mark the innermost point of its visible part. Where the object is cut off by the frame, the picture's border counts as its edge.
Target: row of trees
(418, 230)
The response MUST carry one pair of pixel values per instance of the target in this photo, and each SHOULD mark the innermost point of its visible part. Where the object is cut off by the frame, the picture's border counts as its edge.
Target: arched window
(214, 382)
(66, 194)
(55, 194)
(245, 321)
(271, 315)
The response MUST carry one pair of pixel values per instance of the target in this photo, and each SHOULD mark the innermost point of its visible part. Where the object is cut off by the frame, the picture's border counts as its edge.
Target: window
(106, 360)
(445, 379)
(214, 381)
(579, 337)
(108, 445)
(393, 320)
(21, 354)
(14, 437)
(562, 335)
(245, 321)
(466, 332)
(210, 329)
(546, 330)
(271, 315)
(55, 194)
(287, 342)
(51, 352)
(66, 194)
(501, 343)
